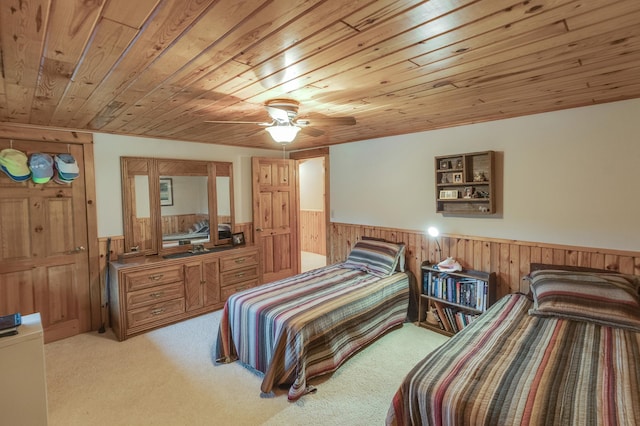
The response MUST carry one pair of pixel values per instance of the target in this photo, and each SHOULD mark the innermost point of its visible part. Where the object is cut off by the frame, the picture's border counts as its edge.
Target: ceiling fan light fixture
(283, 133)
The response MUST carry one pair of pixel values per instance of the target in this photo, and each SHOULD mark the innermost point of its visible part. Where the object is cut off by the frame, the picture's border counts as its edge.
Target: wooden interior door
(275, 216)
(44, 265)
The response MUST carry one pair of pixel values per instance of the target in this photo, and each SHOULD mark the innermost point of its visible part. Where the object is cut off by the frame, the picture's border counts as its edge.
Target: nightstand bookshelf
(449, 301)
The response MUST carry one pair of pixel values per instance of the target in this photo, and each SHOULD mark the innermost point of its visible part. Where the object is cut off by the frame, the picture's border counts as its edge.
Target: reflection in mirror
(142, 229)
(223, 191)
(186, 219)
(138, 205)
(170, 205)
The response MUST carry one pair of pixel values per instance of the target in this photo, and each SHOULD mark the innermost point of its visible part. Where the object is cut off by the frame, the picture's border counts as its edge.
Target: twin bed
(304, 326)
(566, 354)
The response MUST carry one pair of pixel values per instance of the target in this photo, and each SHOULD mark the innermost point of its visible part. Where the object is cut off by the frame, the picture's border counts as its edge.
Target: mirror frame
(154, 168)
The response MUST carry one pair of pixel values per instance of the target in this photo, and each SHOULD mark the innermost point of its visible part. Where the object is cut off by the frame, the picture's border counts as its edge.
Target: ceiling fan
(285, 126)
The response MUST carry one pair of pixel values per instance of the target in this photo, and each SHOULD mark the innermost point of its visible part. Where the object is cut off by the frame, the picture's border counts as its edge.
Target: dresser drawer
(149, 296)
(225, 292)
(153, 313)
(238, 276)
(229, 263)
(144, 279)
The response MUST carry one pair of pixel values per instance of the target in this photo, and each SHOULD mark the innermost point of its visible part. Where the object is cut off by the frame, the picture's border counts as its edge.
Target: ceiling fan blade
(326, 121)
(277, 113)
(238, 122)
(311, 131)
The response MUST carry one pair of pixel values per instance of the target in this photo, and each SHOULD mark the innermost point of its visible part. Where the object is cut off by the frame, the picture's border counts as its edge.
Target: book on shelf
(441, 314)
(463, 291)
(9, 324)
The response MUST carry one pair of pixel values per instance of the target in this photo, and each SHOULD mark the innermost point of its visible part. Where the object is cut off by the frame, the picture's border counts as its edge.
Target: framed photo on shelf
(457, 177)
(444, 164)
(450, 194)
(166, 191)
(468, 192)
(459, 164)
(237, 239)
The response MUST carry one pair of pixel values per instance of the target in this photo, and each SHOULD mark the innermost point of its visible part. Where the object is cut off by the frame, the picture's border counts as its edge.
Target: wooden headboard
(539, 266)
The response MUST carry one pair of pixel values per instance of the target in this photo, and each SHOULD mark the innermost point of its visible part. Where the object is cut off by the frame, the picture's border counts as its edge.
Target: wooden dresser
(151, 292)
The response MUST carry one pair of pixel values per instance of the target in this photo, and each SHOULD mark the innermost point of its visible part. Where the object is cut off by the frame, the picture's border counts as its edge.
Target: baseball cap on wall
(41, 166)
(14, 164)
(67, 168)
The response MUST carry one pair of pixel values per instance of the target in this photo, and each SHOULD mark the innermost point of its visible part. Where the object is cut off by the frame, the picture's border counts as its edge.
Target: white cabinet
(23, 385)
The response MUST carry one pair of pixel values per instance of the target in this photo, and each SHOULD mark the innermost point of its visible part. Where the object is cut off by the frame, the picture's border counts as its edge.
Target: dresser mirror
(176, 205)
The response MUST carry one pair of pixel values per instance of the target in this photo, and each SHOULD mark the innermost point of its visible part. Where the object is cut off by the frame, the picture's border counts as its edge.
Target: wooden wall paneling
(515, 274)
(510, 260)
(584, 258)
(92, 236)
(117, 247)
(247, 228)
(597, 260)
(312, 231)
(525, 261)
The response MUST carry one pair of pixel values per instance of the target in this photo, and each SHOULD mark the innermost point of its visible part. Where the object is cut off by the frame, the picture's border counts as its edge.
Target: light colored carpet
(167, 377)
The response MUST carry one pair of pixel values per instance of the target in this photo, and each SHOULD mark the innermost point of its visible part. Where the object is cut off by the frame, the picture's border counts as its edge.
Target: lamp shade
(283, 134)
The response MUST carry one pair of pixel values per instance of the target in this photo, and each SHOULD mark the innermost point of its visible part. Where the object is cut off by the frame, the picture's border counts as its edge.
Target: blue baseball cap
(41, 166)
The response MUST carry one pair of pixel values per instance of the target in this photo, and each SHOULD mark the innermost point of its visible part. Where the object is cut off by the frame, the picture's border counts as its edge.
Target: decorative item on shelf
(449, 265)
(479, 176)
(468, 192)
(450, 194)
(444, 178)
(444, 164)
(433, 233)
(482, 194)
(459, 164)
(457, 178)
(237, 239)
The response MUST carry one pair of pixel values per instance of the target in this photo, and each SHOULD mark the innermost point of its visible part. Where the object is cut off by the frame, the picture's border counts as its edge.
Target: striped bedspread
(510, 368)
(308, 325)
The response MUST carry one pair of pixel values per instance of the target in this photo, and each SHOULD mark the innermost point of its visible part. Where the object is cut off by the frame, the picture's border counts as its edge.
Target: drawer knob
(157, 311)
(156, 277)
(241, 274)
(156, 295)
(240, 260)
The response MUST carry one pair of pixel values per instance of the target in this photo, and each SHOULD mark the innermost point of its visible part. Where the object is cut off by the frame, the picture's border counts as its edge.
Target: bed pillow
(607, 299)
(401, 259)
(379, 258)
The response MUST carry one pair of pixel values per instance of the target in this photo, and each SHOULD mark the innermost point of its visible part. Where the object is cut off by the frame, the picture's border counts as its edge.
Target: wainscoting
(313, 231)
(509, 259)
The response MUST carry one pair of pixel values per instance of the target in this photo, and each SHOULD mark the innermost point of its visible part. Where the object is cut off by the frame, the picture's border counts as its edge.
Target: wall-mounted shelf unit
(465, 184)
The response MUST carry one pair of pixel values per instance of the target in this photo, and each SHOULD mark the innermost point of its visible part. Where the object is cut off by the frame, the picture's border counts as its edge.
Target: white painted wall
(312, 184)
(566, 177)
(109, 148)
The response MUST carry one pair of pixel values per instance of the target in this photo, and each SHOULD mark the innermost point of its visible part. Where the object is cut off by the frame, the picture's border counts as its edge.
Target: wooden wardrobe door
(44, 265)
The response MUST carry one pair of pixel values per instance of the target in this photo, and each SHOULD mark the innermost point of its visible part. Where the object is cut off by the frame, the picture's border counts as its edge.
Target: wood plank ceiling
(160, 68)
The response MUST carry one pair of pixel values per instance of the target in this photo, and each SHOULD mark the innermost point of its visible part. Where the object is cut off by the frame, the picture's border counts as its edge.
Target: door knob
(258, 229)
(76, 250)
